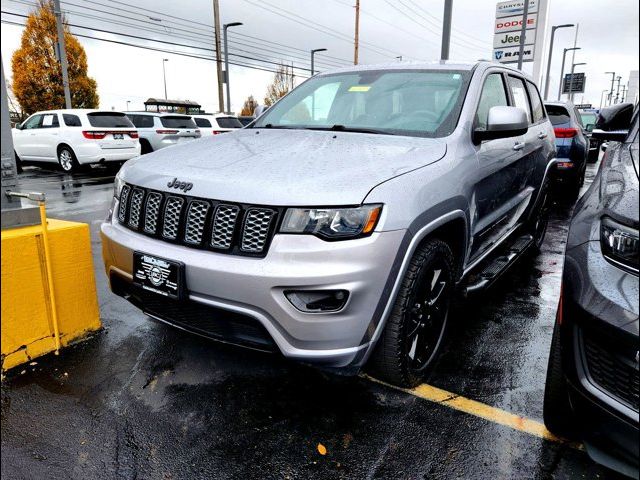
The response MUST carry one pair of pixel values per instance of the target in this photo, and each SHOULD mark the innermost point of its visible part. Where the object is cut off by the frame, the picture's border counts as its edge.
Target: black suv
(592, 380)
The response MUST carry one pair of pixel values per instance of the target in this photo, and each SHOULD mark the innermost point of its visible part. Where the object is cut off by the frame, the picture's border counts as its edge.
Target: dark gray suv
(336, 227)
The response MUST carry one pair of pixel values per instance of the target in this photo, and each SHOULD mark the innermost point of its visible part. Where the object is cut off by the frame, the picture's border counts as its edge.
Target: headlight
(332, 223)
(118, 183)
(619, 244)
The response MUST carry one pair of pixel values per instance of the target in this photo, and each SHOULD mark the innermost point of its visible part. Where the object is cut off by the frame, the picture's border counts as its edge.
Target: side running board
(494, 267)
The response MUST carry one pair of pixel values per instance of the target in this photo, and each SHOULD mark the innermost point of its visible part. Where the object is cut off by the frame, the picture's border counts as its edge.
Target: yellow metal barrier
(49, 295)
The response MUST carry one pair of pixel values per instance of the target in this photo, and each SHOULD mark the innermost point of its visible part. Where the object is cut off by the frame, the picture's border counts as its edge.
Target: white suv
(216, 123)
(159, 130)
(75, 137)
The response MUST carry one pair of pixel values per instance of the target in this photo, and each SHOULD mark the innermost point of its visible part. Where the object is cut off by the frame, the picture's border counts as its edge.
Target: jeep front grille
(198, 222)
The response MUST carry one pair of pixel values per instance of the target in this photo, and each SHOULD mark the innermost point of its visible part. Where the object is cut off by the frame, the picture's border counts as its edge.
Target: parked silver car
(337, 227)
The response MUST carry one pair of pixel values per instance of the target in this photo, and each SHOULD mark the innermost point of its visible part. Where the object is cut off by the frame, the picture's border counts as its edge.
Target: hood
(284, 167)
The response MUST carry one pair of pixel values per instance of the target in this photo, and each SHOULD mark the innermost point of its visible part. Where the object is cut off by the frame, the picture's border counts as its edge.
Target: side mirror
(589, 127)
(613, 122)
(502, 122)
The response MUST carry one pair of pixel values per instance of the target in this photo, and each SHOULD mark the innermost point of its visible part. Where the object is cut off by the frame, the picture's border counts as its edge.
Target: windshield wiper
(343, 128)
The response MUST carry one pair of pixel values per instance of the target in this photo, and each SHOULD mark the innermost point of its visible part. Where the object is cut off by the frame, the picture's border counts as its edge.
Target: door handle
(518, 146)
(542, 135)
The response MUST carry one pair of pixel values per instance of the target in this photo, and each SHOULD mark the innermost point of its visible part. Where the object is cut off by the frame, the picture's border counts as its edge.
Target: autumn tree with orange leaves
(37, 76)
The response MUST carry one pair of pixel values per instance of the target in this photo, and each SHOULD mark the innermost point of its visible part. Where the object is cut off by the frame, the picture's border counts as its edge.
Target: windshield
(396, 102)
(588, 118)
(177, 122)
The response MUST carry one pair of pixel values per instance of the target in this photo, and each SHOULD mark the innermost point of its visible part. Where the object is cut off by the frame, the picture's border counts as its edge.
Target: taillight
(167, 132)
(565, 132)
(93, 135)
(217, 132)
(559, 312)
(133, 134)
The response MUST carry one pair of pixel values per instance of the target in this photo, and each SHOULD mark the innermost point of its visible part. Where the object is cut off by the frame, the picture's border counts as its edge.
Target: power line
(276, 54)
(324, 63)
(183, 54)
(317, 26)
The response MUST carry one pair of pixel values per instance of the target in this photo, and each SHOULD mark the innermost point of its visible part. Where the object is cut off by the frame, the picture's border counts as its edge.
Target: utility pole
(553, 32)
(216, 26)
(446, 29)
(523, 32)
(357, 34)
(62, 52)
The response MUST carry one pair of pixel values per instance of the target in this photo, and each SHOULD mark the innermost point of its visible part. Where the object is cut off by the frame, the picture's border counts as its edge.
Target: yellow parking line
(481, 410)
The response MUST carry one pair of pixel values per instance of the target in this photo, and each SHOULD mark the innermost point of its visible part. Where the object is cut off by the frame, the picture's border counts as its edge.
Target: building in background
(632, 89)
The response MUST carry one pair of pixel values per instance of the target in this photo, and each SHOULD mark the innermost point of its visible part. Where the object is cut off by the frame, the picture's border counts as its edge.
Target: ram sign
(510, 54)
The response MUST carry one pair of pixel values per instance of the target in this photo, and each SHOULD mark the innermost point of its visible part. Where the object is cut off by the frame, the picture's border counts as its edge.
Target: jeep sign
(511, 40)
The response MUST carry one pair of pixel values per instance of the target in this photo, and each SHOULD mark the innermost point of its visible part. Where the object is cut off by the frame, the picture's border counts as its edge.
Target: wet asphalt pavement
(141, 400)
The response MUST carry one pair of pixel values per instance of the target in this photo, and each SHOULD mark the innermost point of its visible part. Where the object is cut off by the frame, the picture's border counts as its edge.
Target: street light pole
(553, 32)
(313, 52)
(164, 76)
(613, 79)
(226, 61)
(573, 67)
(564, 56)
(523, 32)
(602, 97)
(618, 89)
(128, 102)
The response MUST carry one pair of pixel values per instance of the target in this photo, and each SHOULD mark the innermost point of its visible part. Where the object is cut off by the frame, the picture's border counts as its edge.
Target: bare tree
(281, 85)
(249, 106)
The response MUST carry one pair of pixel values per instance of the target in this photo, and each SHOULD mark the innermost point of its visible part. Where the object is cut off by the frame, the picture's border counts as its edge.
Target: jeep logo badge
(177, 184)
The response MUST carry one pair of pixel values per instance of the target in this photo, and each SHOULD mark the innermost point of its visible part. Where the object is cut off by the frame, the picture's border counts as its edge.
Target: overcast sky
(285, 30)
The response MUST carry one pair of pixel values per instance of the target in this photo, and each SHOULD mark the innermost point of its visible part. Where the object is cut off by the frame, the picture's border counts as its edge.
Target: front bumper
(254, 287)
(599, 335)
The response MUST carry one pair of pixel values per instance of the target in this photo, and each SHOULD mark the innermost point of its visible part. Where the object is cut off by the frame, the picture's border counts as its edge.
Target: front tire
(414, 332)
(557, 413)
(67, 160)
(540, 218)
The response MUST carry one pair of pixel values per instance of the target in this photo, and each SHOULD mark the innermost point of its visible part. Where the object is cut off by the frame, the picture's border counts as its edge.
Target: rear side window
(177, 122)
(520, 97)
(141, 121)
(203, 122)
(536, 103)
(228, 122)
(558, 114)
(50, 120)
(71, 120)
(493, 95)
(109, 120)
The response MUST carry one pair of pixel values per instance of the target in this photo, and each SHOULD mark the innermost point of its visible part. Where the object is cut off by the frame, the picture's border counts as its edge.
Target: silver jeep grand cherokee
(337, 227)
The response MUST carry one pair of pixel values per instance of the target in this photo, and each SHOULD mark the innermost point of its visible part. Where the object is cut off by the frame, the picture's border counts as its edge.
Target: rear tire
(557, 413)
(416, 327)
(18, 162)
(145, 146)
(67, 159)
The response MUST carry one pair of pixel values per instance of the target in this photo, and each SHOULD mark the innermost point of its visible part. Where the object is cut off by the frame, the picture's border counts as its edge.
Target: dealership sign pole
(518, 39)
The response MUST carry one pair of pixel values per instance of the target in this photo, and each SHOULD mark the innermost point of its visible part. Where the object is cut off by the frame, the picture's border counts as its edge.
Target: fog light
(311, 301)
